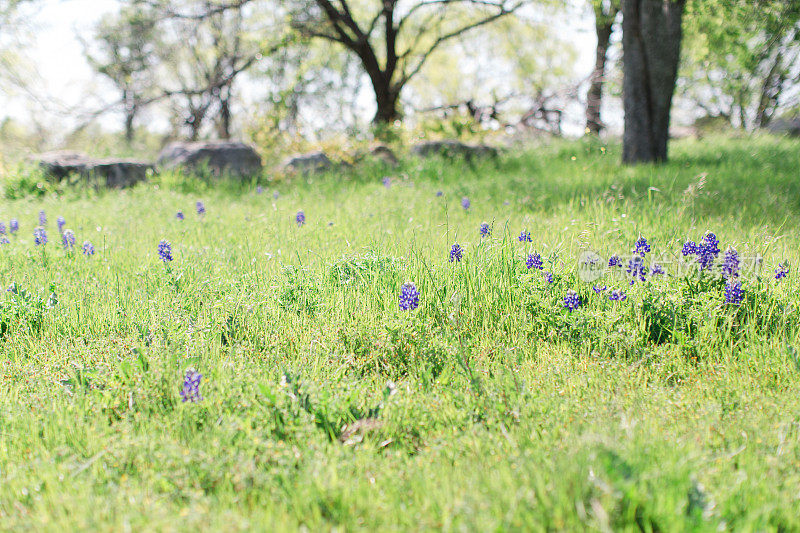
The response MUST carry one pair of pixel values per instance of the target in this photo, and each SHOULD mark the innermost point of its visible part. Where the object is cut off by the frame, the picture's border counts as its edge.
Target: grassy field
(489, 407)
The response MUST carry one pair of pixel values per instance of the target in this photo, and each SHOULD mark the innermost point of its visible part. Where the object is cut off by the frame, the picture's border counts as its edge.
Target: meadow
(331, 398)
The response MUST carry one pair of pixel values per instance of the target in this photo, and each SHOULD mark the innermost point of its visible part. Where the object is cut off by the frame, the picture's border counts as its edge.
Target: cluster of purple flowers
(179, 215)
(88, 248)
(637, 269)
(548, 276)
(61, 222)
(40, 236)
(706, 251)
(387, 182)
(201, 208)
(730, 264)
(68, 239)
(614, 261)
(534, 260)
(300, 218)
(409, 297)
(598, 289)
(782, 271)
(734, 295)
(641, 247)
(456, 252)
(191, 386)
(525, 236)
(42, 218)
(165, 251)
(485, 230)
(13, 226)
(617, 295)
(572, 301)
(465, 203)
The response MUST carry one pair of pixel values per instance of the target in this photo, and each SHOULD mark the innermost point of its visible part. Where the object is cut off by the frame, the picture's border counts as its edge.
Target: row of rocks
(223, 157)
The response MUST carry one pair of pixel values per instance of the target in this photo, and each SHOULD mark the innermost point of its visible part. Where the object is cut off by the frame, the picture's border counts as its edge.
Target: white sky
(64, 81)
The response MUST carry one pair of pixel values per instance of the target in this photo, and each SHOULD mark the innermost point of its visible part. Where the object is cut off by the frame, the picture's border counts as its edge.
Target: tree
(743, 58)
(393, 40)
(605, 13)
(651, 43)
(126, 53)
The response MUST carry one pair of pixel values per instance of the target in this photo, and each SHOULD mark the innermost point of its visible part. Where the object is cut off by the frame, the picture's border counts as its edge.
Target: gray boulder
(384, 154)
(785, 126)
(220, 157)
(307, 163)
(450, 148)
(116, 173)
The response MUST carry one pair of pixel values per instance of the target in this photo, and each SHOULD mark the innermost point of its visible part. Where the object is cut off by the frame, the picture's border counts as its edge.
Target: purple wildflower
(617, 295)
(572, 301)
(39, 236)
(439, 194)
(534, 260)
(179, 215)
(689, 248)
(259, 190)
(61, 222)
(42, 218)
(165, 251)
(387, 182)
(782, 271)
(4, 240)
(730, 264)
(734, 295)
(300, 218)
(191, 386)
(707, 251)
(465, 203)
(201, 208)
(485, 230)
(525, 236)
(88, 249)
(68, 239)
(409, 297)
(548, 276)
(598, 289)
(275, 195)
(456, 252)
(614, 261)
(13, 226)
(657, 270)
(641, 247)
(2, 228)
(636, 269)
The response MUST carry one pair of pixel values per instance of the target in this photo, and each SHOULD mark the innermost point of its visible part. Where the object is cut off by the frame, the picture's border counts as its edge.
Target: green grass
(669, 411)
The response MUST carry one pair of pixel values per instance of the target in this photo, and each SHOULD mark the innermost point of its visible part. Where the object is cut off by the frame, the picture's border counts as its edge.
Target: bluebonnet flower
(4, 240)
(689, 248)
(525, 236)
(165, 251)
(598, 289)
(485, 230)
(572, 301)
(782, 271)
(409, 297)
(534, 260)
(179, 215)
(456, 252)
(641, 247)
(465, 203)
(191, 386)
(300, 218)
(42, 218)
(259, 190)
(636, 269)
(439, 194)
(734, 295)
(707, 251)
(61, 222)
(548, 276)
(39, 236)
(657, 270)
(2, 228)
(201, 208)
(387, 182)
(614, 261)
(88, 249)
(617, 295)
(68, 239)
(730, 264)
(13, 226)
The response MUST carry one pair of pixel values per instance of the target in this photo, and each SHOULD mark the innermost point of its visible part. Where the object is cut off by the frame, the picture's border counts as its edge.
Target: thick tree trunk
(651, 43)
(594, 98)
(387, 100)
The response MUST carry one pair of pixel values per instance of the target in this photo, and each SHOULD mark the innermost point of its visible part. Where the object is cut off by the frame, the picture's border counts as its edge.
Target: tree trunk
(651, 41)
(387, 100)
(594, 98)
